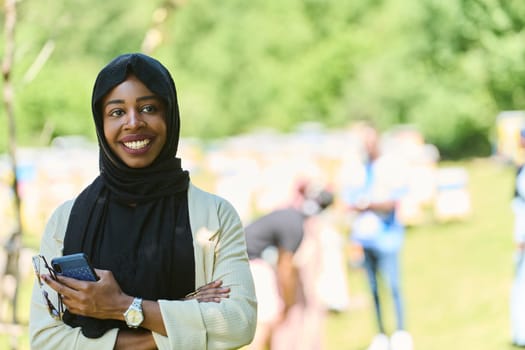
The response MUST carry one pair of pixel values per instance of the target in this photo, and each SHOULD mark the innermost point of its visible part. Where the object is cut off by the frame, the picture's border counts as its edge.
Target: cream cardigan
(220, 253)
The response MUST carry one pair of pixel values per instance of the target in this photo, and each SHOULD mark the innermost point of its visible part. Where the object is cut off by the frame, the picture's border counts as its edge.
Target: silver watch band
(137, 303)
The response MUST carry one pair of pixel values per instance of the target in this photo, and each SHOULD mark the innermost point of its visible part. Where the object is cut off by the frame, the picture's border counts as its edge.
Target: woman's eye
(116, 113)
(149, 109)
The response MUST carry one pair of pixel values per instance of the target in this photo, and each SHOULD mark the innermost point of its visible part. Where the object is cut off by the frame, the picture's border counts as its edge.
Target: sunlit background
(271, 93)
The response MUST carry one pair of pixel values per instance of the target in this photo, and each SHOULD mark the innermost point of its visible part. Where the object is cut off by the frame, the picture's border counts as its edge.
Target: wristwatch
(133, 314)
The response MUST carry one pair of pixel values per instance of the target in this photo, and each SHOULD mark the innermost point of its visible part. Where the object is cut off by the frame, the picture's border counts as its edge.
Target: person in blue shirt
(372, 194)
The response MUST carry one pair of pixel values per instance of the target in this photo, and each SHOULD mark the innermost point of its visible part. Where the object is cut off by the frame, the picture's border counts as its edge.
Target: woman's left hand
(102, 299)
(211, 292)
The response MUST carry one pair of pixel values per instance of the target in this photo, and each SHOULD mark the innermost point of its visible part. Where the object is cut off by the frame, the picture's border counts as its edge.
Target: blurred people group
(285, 251)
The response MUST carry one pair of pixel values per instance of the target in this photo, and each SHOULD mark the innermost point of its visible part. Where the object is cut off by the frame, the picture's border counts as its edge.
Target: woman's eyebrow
(116, 101)
(121, 101)
(142, 98)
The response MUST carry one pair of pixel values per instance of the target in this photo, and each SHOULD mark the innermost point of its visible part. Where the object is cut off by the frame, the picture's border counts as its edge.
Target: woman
(151, 235)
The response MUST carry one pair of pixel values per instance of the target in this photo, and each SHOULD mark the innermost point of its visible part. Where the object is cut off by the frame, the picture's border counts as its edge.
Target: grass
(456, 278)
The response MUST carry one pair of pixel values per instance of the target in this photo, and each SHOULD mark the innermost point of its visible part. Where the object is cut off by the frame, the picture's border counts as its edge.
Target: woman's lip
(131, 138)
(137, 147)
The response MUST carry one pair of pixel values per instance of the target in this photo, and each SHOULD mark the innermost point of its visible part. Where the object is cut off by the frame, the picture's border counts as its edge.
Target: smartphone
(75, 266)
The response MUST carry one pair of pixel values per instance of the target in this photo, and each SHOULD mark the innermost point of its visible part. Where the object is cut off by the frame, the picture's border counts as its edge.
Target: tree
(13, 244)
(447, 67)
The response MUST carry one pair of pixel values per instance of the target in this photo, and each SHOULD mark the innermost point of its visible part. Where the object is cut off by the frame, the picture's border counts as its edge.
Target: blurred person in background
(517, 305)
(372, 193)
(272, 242)
(171, 259)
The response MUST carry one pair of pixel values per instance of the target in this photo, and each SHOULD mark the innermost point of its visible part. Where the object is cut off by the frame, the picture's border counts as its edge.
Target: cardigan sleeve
(231, 323)
(45, 332)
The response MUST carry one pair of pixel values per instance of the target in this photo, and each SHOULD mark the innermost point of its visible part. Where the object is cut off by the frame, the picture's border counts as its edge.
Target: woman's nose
(134, 119)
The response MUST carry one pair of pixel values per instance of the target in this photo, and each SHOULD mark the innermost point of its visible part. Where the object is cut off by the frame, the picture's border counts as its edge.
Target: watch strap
(134, 307)
(137, 304)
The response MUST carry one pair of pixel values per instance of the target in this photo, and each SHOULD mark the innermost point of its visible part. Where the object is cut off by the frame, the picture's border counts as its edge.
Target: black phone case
(75, 266)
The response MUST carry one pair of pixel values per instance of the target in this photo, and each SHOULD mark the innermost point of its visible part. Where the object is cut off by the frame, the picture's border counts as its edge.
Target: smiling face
(134, 120)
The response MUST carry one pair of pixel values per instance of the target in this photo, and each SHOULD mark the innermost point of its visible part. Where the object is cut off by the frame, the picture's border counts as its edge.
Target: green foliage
(65, 109)
(447, 67)
(267, 64)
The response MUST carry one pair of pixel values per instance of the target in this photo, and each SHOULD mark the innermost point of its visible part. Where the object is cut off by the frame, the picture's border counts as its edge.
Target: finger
(102, 273)
(211, 287)
(57, 286)
(208, 293)
(73, 283)
(214, 291)
(211, 299)
(213, 284)
(50, 281)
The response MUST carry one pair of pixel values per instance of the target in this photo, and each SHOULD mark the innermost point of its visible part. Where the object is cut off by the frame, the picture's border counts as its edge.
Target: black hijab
(148, 244)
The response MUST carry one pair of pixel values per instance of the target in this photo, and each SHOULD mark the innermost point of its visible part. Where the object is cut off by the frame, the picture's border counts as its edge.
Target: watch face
(134, 317)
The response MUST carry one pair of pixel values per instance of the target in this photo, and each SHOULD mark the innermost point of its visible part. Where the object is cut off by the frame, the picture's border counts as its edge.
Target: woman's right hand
(102, 299)
(211, 292)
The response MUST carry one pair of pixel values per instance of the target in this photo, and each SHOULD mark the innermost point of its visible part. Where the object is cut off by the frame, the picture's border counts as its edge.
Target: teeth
(137, 144)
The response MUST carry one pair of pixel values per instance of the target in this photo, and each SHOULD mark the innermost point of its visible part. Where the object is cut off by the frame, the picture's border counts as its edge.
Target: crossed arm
(105, 300)
(194, 322)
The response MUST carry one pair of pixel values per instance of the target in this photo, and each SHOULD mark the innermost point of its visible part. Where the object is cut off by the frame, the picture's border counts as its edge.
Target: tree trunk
(14, 242)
